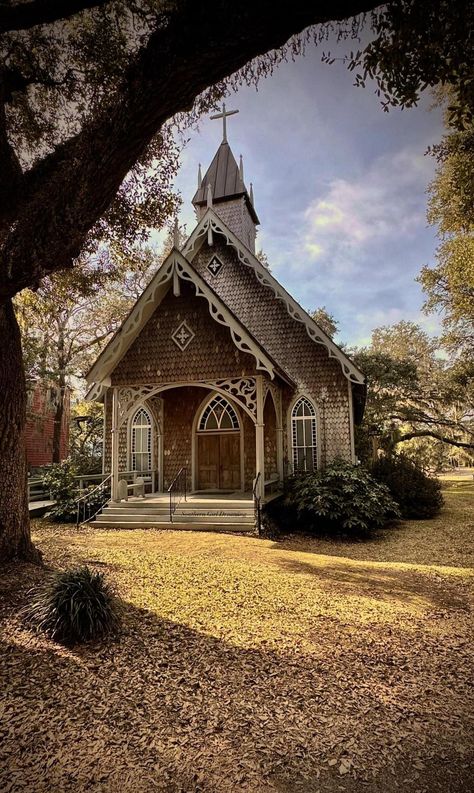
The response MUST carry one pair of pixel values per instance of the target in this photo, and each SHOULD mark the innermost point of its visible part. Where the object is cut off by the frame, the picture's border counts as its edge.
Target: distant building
(41, 415)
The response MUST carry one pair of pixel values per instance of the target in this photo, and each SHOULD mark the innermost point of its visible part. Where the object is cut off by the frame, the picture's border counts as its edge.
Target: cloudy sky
(339, 189)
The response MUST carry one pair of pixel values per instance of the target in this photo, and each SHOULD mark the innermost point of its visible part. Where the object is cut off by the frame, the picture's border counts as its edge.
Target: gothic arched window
(218, 415)
(140, 441)
(303, 435)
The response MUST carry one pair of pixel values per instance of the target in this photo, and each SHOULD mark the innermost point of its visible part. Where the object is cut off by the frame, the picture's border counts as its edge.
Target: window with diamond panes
(141, 441)
(218, 416)
(303, 432)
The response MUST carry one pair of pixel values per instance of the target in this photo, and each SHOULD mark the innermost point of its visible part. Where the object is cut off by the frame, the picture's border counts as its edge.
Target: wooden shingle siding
(155, 358)
(249, 451)
(180, 407)
(270, 438)
(288, 342)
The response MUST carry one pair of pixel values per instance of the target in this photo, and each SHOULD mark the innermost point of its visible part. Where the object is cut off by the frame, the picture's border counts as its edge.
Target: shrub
(63, 512)
(74, 606)
(418, 495)
(61, 482)
(62, 485)
(340, 499)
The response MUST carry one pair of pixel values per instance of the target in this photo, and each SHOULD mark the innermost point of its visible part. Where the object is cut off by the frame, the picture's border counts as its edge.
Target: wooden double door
(218, 461)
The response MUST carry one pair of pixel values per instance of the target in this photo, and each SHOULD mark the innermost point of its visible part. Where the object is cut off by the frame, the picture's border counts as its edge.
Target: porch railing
(177, 490)
(91, 503)
(257, 503)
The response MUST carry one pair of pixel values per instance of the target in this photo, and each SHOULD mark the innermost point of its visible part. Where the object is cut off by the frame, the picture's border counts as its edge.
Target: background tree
(414, 394)
(72, 315)
(86, 90)
(325, 320)
(86, 437)
(449, 284)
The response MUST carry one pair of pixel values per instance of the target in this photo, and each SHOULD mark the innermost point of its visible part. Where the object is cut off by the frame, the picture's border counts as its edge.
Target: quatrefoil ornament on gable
(215, 266)
(182, 336)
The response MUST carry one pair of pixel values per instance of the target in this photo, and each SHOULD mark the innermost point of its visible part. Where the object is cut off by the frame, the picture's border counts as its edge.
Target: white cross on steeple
(223, 115)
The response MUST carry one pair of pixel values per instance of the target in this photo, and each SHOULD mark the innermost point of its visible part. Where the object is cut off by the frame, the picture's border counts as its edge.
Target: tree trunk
(57, 428)
(15, 540)
(59, 413)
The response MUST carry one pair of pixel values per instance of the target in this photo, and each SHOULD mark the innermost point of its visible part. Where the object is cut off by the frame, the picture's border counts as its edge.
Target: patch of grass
(251, 665)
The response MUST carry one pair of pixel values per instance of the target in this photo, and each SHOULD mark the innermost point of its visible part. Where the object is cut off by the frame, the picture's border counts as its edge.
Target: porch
(233, 511)
(227, 435)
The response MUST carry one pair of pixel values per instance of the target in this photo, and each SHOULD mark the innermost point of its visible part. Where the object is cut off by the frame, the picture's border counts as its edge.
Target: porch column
(280, 469)
(115, 446)
(260, 439)
(279, 431)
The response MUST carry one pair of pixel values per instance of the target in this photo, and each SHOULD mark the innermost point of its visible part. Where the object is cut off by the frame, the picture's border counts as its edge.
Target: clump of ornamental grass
(74, 606)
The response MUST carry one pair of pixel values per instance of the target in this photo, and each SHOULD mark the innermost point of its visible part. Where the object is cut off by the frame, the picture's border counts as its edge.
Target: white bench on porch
(135, 488)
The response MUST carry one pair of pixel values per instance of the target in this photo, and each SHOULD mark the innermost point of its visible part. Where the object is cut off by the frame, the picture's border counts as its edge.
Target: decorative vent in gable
(215, 266)
(182, 336)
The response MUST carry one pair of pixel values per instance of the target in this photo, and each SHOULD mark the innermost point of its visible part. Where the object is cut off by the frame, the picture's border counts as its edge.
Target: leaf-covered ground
(251, 665)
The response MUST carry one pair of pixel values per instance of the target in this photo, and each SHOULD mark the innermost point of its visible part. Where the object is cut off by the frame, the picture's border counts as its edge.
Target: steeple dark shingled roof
(224, 177)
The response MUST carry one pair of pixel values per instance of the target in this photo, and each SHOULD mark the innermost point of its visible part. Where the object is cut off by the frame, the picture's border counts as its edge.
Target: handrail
(86, 498)
(175, 494)
(256, 502)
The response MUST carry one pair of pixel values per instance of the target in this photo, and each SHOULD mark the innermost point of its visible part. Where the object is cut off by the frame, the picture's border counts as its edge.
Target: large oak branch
(201, 44)
(437, 436)
(22, 16)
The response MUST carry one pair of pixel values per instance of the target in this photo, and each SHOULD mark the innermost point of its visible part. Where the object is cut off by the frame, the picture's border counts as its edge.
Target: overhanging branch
(22, 16)
(437, 436)
(202, 44)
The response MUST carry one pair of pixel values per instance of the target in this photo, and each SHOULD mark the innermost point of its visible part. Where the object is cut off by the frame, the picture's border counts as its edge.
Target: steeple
(230, 198)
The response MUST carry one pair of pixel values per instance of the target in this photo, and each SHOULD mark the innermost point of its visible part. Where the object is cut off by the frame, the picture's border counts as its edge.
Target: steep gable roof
(174, 268)
(226, 182)
(211, 224)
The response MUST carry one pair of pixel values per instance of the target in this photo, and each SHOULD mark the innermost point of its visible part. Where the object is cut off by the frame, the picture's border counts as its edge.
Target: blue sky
(340, 190)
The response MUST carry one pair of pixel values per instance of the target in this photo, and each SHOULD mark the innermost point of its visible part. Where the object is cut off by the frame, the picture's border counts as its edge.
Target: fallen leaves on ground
(251, 665)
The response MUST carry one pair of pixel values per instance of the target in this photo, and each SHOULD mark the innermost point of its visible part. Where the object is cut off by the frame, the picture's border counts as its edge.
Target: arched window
(218, 416)
(140, 441)
(303, 435)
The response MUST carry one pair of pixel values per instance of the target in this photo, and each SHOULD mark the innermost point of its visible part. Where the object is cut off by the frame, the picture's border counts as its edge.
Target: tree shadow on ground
(169, 708)
(381, 582)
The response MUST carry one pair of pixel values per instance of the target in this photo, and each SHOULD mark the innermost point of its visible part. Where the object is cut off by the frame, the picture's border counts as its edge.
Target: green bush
(418, 495)
(61, 482)
(74, 606)
(63, 512)
(340, 499)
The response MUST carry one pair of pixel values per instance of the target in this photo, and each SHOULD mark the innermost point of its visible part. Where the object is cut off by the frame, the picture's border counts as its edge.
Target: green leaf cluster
(418, 495)
(74, 606)
(341, 499)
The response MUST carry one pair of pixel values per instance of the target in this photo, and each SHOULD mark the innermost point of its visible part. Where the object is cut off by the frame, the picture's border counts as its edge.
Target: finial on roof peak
(199, 176)
(209, 195)
(251, 194)
(176, 233)
(241, 167)
(223, 115)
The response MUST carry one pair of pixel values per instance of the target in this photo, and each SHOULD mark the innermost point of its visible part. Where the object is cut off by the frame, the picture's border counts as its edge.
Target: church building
(217, 374)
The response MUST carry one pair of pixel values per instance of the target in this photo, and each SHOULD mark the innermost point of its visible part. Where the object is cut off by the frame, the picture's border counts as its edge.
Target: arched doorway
(218, 447)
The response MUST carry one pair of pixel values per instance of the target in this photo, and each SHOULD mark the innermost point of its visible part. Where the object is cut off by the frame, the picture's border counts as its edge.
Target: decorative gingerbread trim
(175, 265)
(212, 222)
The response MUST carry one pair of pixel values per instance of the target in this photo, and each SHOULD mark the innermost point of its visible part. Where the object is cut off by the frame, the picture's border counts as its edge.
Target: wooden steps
(206, 513)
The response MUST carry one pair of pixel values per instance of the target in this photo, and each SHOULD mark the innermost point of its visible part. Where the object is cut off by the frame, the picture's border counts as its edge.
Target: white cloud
(382, 204)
